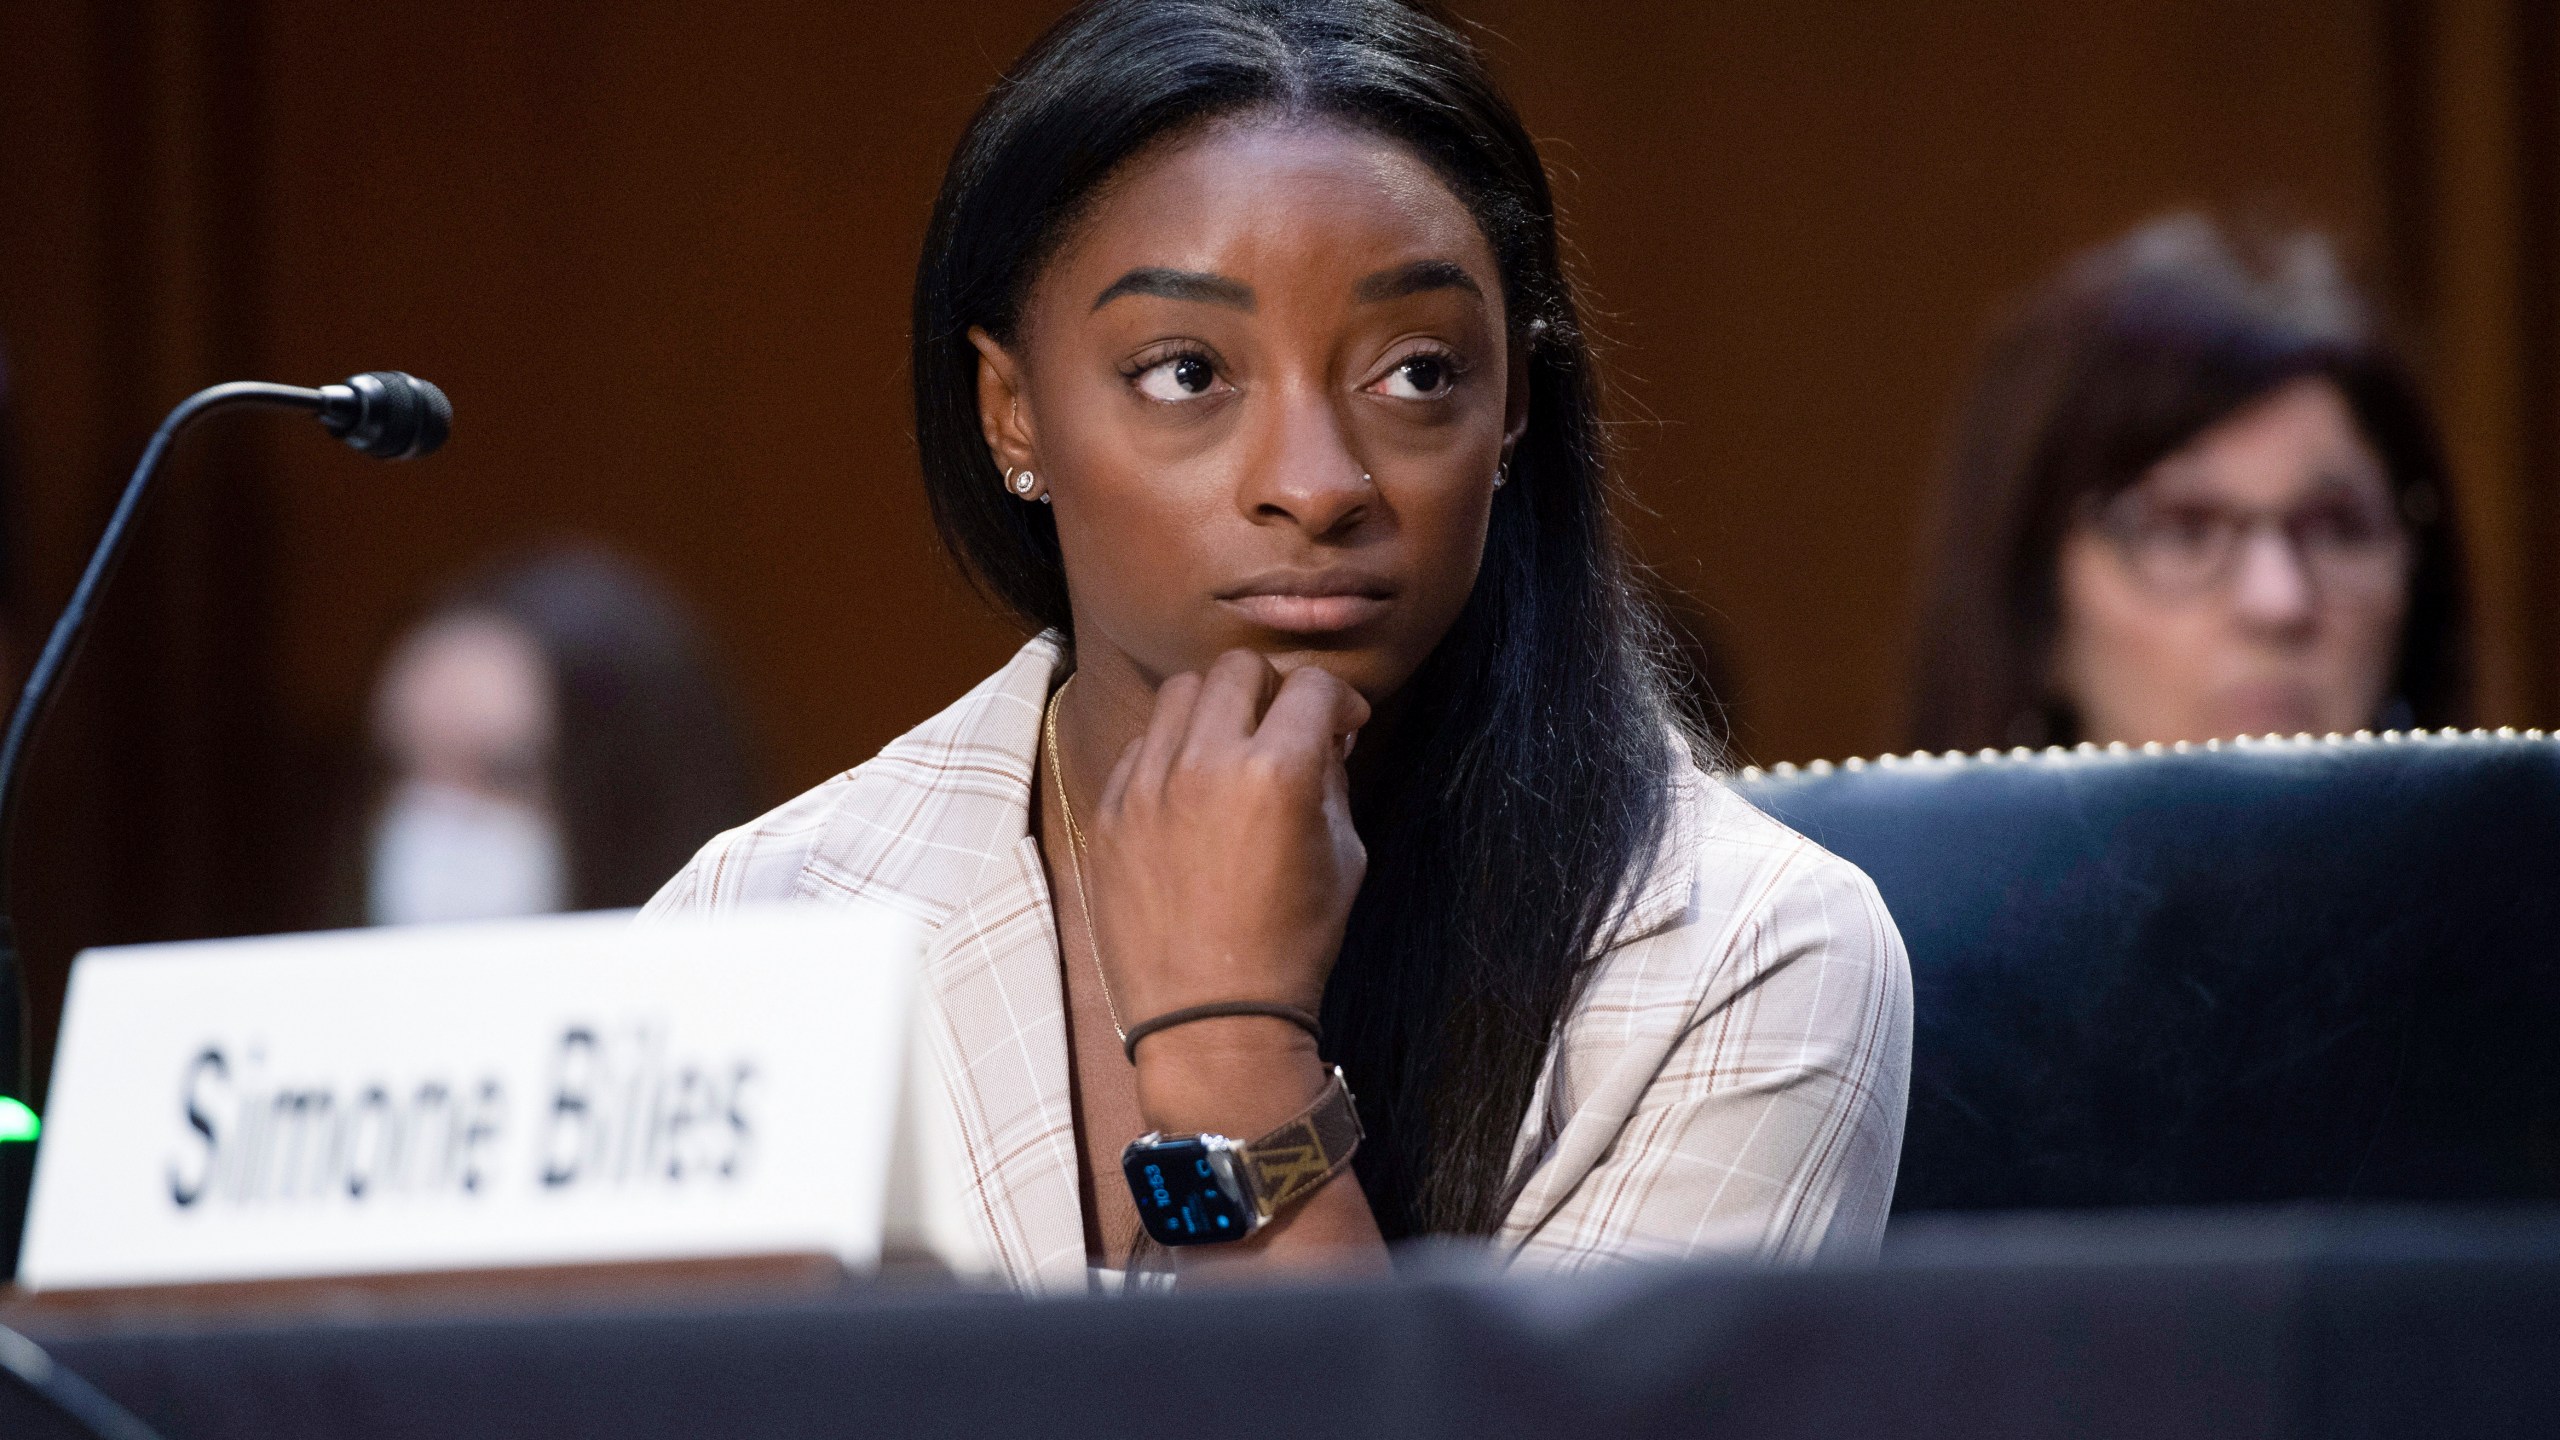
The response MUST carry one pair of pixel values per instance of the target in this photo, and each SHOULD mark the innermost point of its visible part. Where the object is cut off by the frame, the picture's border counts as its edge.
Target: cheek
(2363, 643)
(2114, 635)
(1137, 540)
(2373, 623)
(1131, 516)
(1440, 490)
(1446, 532)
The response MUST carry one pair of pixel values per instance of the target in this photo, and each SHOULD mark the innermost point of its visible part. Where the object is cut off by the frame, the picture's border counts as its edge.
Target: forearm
(1244, 1076)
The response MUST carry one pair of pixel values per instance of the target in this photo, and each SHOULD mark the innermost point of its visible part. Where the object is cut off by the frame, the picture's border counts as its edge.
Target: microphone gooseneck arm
(36, 698)
(382, 413)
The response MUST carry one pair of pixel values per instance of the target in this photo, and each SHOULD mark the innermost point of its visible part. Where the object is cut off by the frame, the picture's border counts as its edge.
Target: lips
(1311, 602)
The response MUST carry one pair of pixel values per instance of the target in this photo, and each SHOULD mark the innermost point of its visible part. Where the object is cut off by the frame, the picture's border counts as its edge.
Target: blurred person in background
(552, 736)
(2194, 494)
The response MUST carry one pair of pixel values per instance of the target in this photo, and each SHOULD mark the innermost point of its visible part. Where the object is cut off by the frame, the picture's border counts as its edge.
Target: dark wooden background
(659, 254)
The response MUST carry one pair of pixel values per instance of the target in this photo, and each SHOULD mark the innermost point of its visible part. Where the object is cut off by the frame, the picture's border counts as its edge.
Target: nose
(2273, 589)
(1304, 474)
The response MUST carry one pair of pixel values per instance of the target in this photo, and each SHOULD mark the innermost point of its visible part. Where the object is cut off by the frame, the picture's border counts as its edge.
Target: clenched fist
(1224, 862)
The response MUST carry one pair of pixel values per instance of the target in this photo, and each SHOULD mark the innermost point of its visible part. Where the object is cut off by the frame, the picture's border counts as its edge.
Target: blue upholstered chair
(2278, 969)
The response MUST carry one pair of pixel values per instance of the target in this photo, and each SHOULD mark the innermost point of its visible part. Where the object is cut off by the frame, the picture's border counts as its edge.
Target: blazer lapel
(997, 1022)
(943, 829)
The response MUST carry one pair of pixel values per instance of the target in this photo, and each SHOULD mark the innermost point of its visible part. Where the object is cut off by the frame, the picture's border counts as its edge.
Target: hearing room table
(2277, 1322)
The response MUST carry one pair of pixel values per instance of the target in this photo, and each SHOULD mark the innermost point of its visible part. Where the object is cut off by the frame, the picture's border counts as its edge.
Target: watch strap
(1296, 1159)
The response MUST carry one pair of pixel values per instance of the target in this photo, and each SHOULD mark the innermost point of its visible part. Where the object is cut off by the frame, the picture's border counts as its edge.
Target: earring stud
(1502, 475)
(1022, 481)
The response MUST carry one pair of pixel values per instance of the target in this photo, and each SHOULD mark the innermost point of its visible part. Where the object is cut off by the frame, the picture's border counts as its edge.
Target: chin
(1374, 675)
(1377, 672)
(2274, 715)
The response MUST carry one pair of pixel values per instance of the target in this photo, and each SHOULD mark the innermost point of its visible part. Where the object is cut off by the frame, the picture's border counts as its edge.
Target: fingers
(1242, 703)
(1239, 685)
(1115, 789)
(1163, 740)
(1315, 712)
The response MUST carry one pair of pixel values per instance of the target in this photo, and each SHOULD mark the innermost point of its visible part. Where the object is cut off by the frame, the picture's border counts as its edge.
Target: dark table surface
(2293, 1322)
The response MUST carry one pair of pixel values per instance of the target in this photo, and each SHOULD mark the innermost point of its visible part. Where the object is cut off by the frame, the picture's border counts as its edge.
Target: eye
(2344, 524)
(1177, 378)
(1424, 376)
(2185, 527)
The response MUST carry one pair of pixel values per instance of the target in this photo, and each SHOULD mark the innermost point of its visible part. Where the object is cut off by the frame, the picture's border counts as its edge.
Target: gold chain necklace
(1075, 856)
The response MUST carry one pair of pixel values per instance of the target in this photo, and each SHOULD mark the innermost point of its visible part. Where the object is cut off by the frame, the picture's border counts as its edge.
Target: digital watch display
(1189, 1191)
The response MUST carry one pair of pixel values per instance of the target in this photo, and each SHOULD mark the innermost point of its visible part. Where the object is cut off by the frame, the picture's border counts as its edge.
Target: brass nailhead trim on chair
(1788, 769)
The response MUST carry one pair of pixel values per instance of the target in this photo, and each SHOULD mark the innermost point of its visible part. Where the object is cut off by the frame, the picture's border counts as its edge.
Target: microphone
(385, 414)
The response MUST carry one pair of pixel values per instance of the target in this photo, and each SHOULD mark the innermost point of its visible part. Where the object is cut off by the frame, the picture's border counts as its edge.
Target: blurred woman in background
(553, 738)
(2194, 494)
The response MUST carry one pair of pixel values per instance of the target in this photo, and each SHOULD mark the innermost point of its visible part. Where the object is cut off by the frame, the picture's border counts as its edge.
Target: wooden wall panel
(659, 254)
(2486, 255)
(157, 804)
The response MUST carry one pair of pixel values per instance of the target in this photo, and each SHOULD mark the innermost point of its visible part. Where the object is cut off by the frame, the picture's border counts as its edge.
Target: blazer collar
(1658, 896)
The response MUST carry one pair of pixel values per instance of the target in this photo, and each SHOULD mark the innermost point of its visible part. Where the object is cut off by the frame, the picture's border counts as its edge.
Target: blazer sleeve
(766, 859)
(1759, 1114)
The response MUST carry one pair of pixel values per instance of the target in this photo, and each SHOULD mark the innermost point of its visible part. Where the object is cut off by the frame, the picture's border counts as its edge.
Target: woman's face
(466, 726)
(1267, 385)
(465, 703)
(2253, 582)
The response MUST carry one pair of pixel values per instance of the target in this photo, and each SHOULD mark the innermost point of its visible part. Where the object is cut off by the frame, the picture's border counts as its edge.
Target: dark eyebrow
(1413, 279)
(1178, 285)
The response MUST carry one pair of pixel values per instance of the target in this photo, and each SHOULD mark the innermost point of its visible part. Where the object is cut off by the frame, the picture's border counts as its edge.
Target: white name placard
(559, 1091)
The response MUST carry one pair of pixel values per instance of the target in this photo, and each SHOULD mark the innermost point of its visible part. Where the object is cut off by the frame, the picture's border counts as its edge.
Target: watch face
(1180, 1196)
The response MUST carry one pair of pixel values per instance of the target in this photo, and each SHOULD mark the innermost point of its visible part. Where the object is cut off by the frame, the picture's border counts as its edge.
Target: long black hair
(2134, 350)
(1528, 783)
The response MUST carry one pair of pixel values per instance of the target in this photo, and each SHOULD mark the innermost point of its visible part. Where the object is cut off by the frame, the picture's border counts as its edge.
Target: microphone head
(387, 414)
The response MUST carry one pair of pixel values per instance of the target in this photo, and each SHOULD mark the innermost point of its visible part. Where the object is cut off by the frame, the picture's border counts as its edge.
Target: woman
(553, 738)
(2194, 495)
(1247, 374)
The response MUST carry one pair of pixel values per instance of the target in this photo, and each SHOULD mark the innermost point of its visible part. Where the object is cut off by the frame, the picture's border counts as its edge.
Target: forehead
(1260, 197)
(2297, 439)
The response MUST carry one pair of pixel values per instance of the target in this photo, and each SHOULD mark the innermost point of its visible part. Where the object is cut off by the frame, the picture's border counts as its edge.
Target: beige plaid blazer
(1731, 1081)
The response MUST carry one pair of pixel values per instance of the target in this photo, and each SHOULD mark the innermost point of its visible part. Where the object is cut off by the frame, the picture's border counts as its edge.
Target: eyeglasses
(2347, 544)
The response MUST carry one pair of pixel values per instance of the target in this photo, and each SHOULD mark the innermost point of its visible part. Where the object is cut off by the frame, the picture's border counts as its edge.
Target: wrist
(1238, 1076)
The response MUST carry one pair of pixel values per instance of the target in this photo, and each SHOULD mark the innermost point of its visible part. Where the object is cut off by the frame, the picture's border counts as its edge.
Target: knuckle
(1264, 767)
(1290, 766)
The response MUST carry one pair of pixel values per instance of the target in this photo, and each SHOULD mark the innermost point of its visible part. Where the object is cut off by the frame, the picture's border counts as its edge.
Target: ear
(1515, 396)
(1003, 407)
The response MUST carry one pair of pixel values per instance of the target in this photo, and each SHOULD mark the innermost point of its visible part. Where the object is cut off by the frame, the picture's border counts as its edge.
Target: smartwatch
(1206, 1189)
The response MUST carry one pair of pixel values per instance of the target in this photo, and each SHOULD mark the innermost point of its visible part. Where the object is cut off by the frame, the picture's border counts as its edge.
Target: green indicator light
(17, 1122)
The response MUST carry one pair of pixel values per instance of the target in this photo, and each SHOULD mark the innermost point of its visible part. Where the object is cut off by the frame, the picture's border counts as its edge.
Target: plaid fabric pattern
(1731, 1080)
